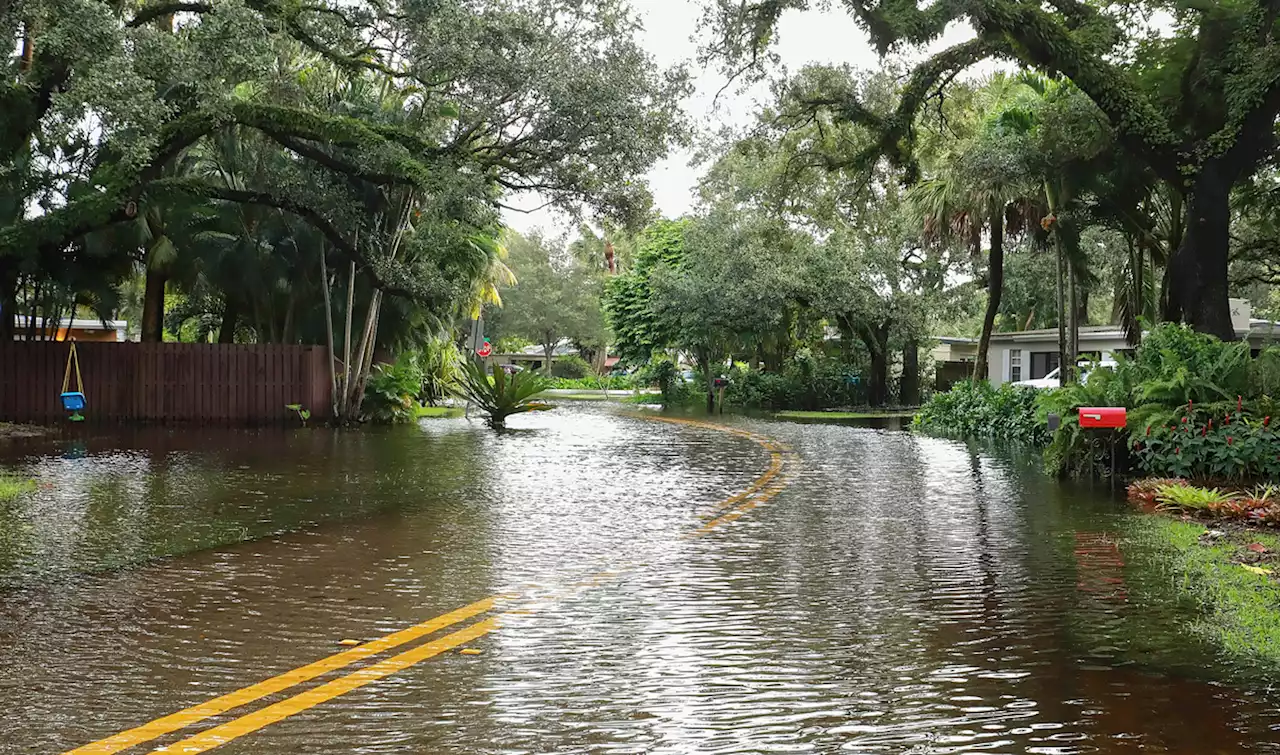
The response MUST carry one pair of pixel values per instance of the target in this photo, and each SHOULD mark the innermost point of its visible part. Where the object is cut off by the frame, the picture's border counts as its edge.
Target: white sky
(809, 37)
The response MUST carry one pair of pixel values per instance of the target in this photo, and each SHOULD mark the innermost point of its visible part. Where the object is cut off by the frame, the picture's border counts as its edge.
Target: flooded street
(655, 586)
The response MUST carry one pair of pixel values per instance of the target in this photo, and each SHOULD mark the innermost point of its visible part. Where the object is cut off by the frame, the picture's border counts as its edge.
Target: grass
(438, 412)
(11, 487)
(903, 413)
(1242, 607)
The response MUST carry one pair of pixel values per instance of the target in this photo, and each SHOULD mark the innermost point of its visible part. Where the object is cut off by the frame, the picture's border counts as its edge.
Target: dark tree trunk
(876, 339)
(8, 298)
(909, 390)
(230, 314)
(153, 308)
(704, 364)
(1198, 293)
(995, 288)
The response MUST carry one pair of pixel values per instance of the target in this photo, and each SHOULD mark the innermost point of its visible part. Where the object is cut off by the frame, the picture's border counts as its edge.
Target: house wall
(1000, 362)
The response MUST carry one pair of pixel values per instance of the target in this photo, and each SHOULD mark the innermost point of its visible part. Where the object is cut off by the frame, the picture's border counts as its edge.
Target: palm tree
(972, 195)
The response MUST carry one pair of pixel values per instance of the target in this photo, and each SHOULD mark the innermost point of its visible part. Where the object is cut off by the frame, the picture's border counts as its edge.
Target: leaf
(1256, 570)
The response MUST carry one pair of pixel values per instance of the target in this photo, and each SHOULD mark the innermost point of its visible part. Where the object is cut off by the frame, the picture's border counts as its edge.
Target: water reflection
(902, 595)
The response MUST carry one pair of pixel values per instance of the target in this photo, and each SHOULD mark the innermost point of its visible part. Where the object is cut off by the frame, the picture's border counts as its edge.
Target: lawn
(438, 412)
(1234, 576)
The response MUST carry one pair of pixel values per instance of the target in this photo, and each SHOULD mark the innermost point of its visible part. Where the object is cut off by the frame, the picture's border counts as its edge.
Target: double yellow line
(763, 488)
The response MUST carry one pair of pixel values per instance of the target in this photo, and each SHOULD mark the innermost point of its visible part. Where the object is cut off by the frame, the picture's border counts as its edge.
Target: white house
(1031, 354)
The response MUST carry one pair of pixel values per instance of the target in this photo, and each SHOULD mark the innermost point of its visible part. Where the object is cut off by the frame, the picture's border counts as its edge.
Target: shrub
(663, 373)
(391, 393)
(441, 364)
(1233, 446)
(808, 381)
(572, 367)
(592, 383)
(976, 410)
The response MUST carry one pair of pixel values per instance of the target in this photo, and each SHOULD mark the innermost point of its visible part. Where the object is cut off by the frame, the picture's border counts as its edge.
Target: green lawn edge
(1241, 607)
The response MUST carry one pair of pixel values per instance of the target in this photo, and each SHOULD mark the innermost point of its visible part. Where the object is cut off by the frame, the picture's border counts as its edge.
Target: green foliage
(302, 412)
(500, 395)
(555, 297)
(808, 381)
(1198, 407)
(1239, 607)
(663, 372)
(593, 383)
(391, 394)
(637, 329)
(572, 367)
(976, 410)
(1175, 497)
(12, 487)
(441, 364)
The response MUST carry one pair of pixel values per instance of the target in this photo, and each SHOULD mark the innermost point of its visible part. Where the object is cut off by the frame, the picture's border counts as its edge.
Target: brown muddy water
(899, 594)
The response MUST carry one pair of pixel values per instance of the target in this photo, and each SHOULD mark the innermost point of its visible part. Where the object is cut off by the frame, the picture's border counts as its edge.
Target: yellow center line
(217, 706)
(247, 724)
(763, 488)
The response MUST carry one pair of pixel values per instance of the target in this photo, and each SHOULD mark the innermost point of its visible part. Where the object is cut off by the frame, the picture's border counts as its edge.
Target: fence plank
(169, 382)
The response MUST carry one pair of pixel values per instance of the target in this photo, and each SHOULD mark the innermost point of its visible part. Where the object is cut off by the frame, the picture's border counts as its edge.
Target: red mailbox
(1104, 417)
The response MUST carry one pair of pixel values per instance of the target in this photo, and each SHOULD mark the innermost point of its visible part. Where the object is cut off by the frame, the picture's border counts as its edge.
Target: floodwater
(898, 594)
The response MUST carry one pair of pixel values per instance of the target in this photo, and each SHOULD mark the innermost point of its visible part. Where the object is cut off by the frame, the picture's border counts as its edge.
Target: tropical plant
(391, 394)
(300, 411)
(441, 364)
(500, 395)
(1190, 498)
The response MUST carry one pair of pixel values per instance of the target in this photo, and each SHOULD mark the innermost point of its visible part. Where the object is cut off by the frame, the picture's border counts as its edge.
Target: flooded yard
(891, 594)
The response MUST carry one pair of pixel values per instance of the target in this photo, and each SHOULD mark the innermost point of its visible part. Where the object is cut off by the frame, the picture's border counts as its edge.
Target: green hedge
(976, 410)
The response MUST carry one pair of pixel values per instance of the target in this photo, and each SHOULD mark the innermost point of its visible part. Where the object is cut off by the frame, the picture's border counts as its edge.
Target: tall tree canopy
(1196, 103)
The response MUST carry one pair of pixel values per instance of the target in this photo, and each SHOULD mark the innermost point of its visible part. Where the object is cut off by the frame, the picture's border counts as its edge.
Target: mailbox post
(721, 384)
(1110, 418)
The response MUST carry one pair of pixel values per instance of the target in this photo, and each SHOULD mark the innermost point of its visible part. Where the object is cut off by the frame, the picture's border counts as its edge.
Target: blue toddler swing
(73, 401)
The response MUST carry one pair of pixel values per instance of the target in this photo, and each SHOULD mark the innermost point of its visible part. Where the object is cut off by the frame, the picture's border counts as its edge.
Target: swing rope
(66, 378)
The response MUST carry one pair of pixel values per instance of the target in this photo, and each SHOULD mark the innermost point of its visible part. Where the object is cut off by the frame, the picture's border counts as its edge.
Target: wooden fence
(242, 384)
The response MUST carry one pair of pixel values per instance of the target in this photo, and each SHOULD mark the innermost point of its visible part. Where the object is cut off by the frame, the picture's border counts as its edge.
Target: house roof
(23, 321)
(956, 340)
(1087, 333)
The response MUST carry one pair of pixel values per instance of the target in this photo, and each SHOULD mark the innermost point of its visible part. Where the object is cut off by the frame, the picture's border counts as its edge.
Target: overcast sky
(813, 36)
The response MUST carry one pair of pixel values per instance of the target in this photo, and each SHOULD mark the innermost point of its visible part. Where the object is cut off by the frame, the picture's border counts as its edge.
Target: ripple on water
(901, 595)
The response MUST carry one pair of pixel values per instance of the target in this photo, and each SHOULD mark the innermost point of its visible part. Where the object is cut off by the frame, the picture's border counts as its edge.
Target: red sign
(1106, 417)
(485, 350)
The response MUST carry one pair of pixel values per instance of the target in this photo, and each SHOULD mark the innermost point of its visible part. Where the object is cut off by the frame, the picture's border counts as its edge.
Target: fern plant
(500, 395)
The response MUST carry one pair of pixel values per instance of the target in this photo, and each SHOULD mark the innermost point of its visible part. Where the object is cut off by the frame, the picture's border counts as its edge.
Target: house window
(1042, 363)
(1015, 365)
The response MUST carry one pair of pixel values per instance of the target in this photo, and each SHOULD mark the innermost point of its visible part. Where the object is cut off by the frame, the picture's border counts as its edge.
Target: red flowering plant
(1232, 445)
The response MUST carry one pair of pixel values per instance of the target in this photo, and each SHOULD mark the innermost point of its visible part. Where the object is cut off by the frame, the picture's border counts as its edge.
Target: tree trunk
(230, 316)
(549, 349)
(1198, 292)
(1064, 351)
(8, 299)
(876, 339)
(1069, 376)
(704, 363)
(153, 308)
(909, 390)
(995, 288)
